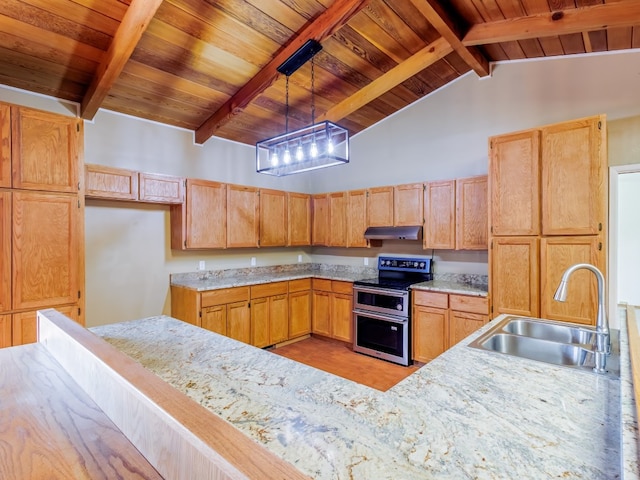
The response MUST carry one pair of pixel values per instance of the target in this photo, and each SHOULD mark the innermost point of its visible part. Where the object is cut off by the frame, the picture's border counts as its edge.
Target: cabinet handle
(599, 245)
(600, 227)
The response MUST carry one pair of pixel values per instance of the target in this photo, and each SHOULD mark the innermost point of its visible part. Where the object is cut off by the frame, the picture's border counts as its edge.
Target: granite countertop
(448, 286)
(467, 414)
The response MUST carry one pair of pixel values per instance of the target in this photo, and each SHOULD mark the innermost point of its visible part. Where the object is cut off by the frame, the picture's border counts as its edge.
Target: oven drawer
(431, 299)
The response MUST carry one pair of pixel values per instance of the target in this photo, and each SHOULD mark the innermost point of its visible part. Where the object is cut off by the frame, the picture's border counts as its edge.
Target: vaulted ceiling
(210, 66)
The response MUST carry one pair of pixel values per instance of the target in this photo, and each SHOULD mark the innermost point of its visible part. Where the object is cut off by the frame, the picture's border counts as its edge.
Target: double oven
(382, 308)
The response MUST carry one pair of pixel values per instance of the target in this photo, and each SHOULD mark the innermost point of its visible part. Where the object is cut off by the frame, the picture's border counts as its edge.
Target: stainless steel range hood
(394, 233)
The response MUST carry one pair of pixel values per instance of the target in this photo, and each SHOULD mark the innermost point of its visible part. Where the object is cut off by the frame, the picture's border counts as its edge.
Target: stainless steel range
(382, 308)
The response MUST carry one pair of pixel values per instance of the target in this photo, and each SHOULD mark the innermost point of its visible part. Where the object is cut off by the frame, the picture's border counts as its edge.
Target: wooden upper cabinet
(439, 212)
(201, 221)
(299, 224)
(242, 216)
(45, 150)
(5, 145)
(556, 255)
(5, 252)
(45, 249)
(471, 213)
(514, 183)
(157, 188)
(273, 218)
(574, 177)
(338, 219)
(320, 211)
(514, 275)
(380, 206)
(356, 218)
(110, 182)
(408, 204)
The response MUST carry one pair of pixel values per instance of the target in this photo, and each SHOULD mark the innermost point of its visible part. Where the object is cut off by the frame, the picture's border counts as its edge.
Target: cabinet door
(299, 224)
(299, 313)
(338, 219)
(514, 183)
(408, 204)
(215, 319)
(558, 254)
(574, 177)
(440, 218)
(45, 249)
(278, 319)
(25, 324)
(342, 317)
(356, 218)
(380, 206)
(513, 278)
(321, 313)
(320, 229)
(45, 150)
(239, 322)
(273, 218)
(429, 332)
(260, 322)
(5, 331)
(242, 216)
(5, 145)
(471, 213)
(201, 221)
(110, 183)
(157, 188)
(5, 251)
(462, 324)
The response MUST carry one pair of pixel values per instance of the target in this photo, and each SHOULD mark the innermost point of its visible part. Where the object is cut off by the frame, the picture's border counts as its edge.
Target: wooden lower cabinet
(342, 317)
(332, 309)
(440, 320)
(5, 331)
(269, 314)
(239, 322)
(24, 325)
(215, 319)
(300, 300)
(321, 312)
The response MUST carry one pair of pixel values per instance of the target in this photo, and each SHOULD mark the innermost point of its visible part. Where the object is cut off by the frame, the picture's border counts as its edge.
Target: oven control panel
(421, 265)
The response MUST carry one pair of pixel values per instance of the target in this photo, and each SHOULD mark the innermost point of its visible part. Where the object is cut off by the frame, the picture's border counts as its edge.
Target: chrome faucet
(603, 343)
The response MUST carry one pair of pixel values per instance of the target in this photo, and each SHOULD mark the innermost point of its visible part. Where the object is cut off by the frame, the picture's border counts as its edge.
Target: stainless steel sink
(557, 343)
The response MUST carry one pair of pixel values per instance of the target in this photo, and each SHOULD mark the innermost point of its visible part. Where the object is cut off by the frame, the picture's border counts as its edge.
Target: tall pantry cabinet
(42, 225)
(548, 211)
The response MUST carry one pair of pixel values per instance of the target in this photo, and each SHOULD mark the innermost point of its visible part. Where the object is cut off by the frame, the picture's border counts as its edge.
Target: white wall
(628, 238)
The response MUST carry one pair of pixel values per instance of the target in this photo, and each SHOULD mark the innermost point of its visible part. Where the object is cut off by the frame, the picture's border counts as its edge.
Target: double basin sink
(557, 343)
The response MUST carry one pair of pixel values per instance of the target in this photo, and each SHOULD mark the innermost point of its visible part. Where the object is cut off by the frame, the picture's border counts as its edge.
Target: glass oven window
(380, 335)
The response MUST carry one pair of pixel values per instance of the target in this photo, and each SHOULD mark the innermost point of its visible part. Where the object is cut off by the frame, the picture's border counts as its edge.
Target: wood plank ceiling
(210, 65)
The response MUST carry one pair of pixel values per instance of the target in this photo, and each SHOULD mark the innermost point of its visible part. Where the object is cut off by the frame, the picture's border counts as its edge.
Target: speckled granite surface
(448, 286)
(467, 414)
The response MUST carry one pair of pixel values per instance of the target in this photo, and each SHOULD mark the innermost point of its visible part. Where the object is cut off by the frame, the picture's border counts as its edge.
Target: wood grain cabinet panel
(321, 225)
(430, 326)
(299, 308)
(273, 218)
(45, 150)
(515, 184)
(269, 314)
(110, 183)
(440, 215)
(45, 249)
(239, 322)
(463, 324)
(471, 213)
(24, 328)
(242, 216)
(357, 218)
(201, 221)
(299, 224)
(158, 188)
(321, 312)
(214, 319)
(338, 219)
(5, 251)
(408, 205)
(5, 145)
(380, 206)
(5, 331)
(342, 317)
(574, 179)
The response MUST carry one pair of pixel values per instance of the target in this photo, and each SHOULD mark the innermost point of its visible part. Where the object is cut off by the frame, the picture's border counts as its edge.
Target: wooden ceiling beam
(446, 27)
(550, 24)
(394, 77)
(319, 29)
(135, 21)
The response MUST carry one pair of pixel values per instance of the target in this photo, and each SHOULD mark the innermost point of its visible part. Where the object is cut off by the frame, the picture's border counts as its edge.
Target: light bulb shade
(331, 142)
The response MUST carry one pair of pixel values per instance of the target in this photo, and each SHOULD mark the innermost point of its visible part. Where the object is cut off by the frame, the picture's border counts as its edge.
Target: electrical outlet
(253, 261)
(366, 262)
(201, 265)
(299, 258)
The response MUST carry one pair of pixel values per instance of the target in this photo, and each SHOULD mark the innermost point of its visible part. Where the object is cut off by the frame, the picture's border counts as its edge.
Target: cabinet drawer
(342, 287)
(321, 284)
(431, 299)
(268, 289)
(156, 188)
(299, 285)
(466, 303)
(110, 182)
(224, 295)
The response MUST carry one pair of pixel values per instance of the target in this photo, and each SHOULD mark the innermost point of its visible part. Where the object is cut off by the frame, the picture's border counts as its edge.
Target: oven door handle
(376, 316)
(383, 291)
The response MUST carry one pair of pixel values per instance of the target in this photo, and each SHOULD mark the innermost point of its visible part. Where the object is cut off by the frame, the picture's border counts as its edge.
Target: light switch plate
(299, 258)
(366, 262)
(201, 265)
(253, 261)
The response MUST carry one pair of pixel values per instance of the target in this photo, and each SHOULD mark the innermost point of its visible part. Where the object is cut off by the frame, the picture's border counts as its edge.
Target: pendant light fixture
(318, 145)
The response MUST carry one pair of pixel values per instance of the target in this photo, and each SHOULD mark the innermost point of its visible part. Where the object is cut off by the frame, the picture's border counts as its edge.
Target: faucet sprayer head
(561, 292)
